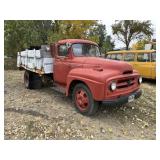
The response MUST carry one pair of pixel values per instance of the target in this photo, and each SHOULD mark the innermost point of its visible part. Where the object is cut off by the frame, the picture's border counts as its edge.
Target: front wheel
(83, 100)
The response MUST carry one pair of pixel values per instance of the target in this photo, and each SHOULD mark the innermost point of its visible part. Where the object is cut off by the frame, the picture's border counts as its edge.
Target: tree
(21, 34)
(14, 33)
(64, 29)
(104, 41)
(140, 44)
(100, 33)
(43, 28)
(108, 44)
(128, 30)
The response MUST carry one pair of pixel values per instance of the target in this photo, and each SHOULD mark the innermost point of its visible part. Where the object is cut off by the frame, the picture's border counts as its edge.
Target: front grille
(127, 82)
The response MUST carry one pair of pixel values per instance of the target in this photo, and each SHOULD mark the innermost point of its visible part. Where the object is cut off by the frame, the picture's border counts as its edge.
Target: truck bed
(39, 61)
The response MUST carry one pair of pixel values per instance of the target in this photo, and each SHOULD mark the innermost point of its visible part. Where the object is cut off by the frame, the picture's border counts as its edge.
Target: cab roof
(76, 41)
(131, 51)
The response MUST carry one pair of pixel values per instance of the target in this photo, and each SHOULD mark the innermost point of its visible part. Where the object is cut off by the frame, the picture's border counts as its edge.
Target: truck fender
(80, 76)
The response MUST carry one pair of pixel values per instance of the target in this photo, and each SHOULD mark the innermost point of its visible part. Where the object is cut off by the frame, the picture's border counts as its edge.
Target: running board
(59, 88)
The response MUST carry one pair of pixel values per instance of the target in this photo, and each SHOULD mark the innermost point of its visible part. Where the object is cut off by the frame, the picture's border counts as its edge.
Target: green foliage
(104, 41)
(108, 44)
(140, 45)
(128, 30)
(21, 34)
(78, 28)
(13, 36)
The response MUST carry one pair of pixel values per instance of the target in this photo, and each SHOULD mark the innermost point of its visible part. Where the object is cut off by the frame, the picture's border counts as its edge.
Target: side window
(143, 57)
(129, 57)
(113, 56)
(154, 46)
(62, 51)
(108, 56)
(77, 49)
(119, 57)
(153, 57)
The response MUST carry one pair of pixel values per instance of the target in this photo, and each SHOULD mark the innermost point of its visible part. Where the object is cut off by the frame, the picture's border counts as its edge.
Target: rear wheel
(27, 80)
(32, 80)
(83, 100)
(37, 81)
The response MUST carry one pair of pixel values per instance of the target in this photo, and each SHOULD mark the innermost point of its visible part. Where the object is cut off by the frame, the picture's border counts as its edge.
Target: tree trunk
(127, 46)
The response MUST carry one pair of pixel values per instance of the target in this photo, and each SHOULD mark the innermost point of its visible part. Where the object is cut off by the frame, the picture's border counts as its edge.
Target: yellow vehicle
(144, 61)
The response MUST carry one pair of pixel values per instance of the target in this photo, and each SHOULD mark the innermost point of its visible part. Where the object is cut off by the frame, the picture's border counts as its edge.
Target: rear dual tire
(32, 80)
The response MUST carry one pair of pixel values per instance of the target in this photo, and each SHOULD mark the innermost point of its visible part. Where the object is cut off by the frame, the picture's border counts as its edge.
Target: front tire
(83, 100)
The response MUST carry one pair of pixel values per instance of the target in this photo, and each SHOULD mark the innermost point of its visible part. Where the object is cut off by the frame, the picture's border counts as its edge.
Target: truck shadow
(26, 112)
(149, 81)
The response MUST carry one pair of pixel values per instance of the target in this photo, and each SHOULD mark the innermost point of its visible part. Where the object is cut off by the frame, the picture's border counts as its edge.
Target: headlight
(140, 80)
(113, 86)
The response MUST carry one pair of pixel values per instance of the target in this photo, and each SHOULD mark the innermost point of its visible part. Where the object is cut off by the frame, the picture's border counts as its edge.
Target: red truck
(77, 70)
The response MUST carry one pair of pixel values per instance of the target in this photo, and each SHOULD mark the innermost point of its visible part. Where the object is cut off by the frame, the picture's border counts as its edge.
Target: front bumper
(123, 99)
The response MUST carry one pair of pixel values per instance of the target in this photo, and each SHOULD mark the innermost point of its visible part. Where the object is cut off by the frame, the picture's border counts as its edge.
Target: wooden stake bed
(38, 61)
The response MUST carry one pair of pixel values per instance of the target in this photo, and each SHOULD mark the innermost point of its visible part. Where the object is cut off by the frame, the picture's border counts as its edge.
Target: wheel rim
(82, 100)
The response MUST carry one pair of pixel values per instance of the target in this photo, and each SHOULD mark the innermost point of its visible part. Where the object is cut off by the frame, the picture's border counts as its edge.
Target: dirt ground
(47, 114)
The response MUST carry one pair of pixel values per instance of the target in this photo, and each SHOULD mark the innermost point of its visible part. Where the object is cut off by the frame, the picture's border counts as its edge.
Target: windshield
(153, 56)
(85, 49)
(154, 46)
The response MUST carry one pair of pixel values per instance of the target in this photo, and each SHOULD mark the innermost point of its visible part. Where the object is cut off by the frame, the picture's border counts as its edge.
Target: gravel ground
(46, 114)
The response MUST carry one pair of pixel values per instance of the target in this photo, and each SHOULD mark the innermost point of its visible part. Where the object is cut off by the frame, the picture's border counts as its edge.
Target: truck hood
(103, 65)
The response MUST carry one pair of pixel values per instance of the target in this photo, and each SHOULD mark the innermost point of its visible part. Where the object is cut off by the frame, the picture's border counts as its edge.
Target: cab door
(62, 65)
(143, 64)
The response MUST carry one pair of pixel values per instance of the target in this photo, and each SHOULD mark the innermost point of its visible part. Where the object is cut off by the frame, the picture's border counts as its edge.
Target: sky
(119, 44)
